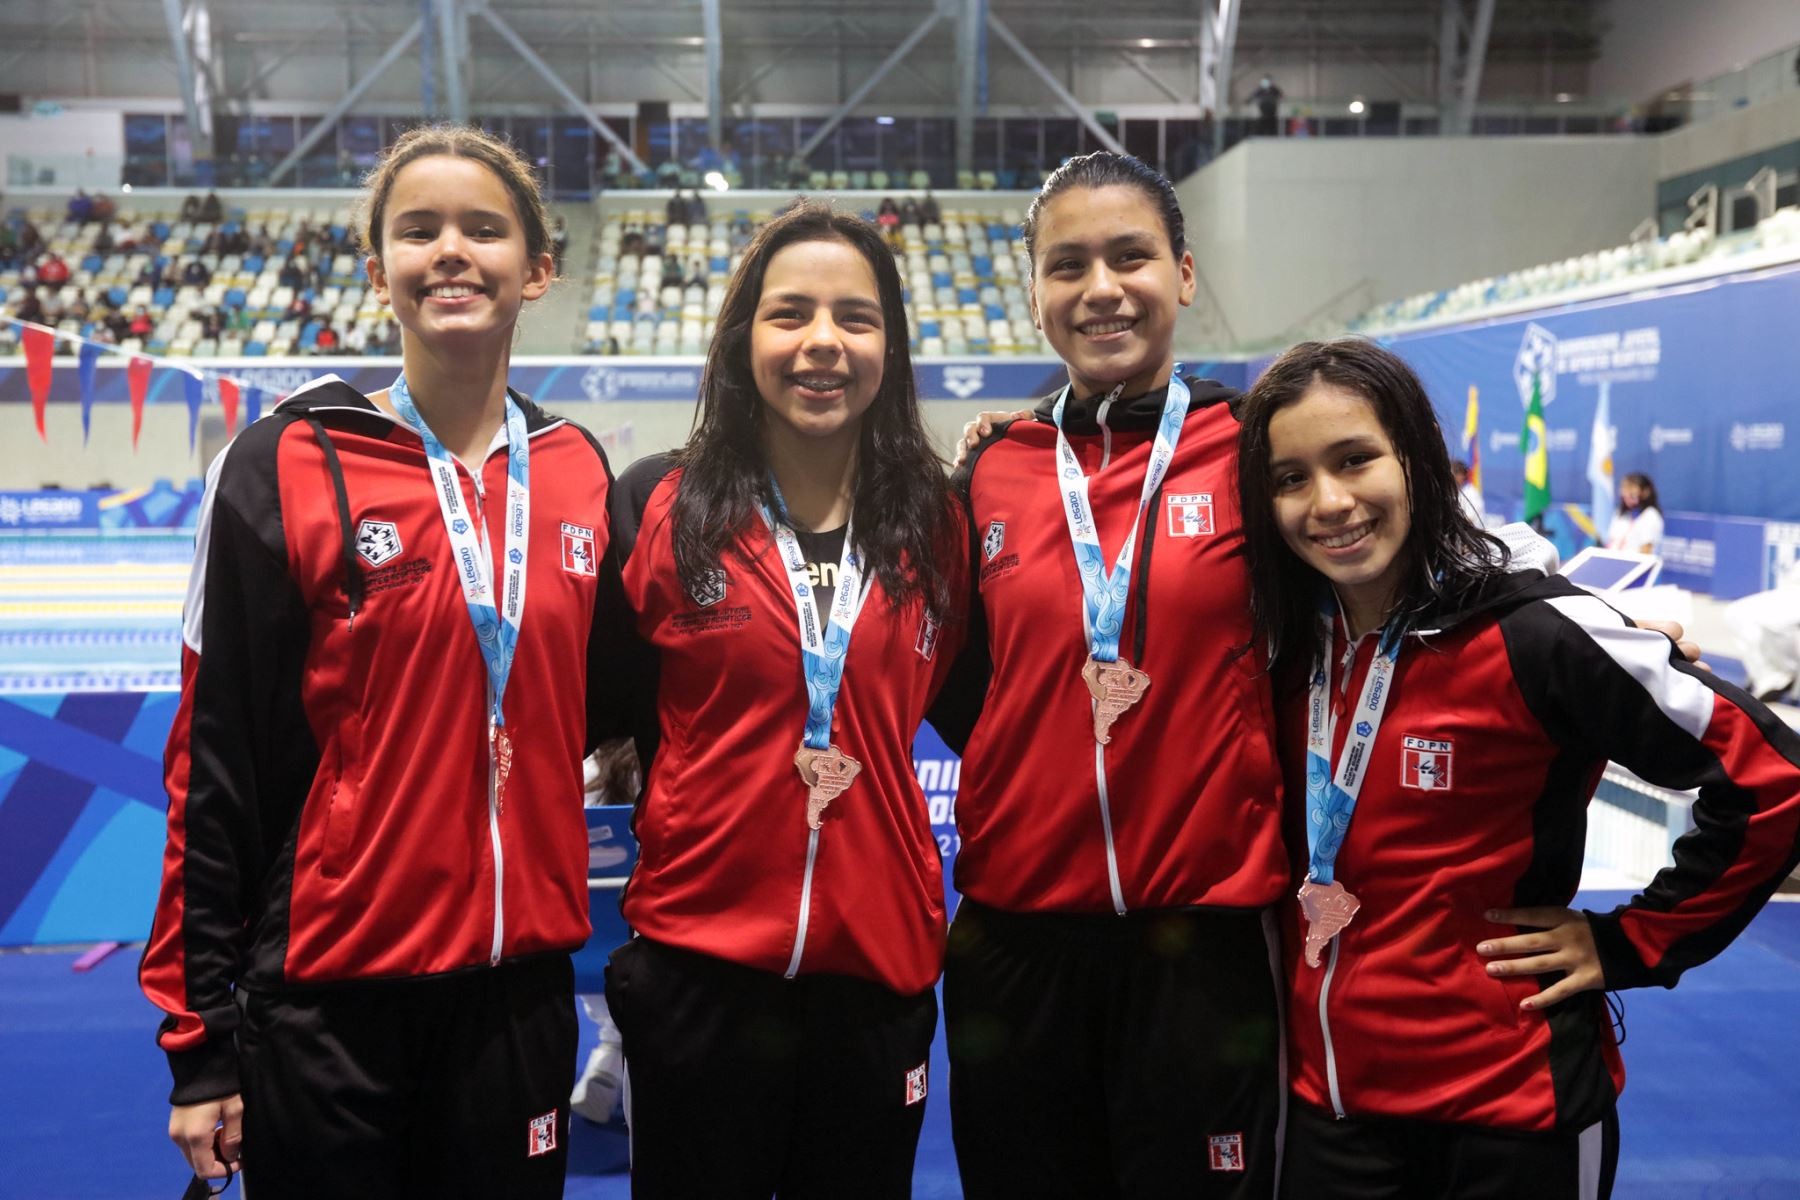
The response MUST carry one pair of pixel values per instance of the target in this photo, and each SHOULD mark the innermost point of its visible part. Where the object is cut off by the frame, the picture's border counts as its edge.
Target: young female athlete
(376, 863)
(1637, 526)
(795, 571)
(1111, 981)
(1447, 1032)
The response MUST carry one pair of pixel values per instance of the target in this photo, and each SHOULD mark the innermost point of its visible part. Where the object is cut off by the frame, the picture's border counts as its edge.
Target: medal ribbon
(1104, 595)
(823, 645)
(1331, 796)
(496, 625)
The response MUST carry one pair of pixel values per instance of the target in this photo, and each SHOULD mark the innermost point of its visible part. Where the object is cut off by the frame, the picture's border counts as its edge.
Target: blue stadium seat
(940, 279)
(967, 296)
(163, 297)
(234, 297)
(92, 262)
(984, 267)
(928, 329)
(255, 350)
(597, 312)
(116, 296)
(718, 264)
(995, 312)
(160, 229)
(253, 263)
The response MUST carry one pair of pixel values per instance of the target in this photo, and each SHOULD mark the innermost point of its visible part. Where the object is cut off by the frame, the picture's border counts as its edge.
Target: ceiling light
(1356, 108)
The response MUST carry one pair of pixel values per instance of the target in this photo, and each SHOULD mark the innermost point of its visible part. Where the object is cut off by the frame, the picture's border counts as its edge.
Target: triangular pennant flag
(193, 387)
(40, 345)
(137, 379)
(228, 400)
(253, 400)
(90, 354)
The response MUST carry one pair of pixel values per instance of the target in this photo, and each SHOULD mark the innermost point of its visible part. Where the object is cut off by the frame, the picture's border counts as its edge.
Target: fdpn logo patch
(1425, 764)
(542, 1136)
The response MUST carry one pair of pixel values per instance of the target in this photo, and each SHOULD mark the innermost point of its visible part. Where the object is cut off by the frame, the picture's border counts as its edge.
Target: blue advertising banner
(162, 505)
(1703, 382)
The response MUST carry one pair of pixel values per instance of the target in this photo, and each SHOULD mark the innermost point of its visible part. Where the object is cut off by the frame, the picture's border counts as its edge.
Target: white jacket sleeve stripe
(1644, 654)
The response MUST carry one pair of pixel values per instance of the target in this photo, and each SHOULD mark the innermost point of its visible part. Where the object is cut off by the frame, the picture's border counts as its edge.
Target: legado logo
(378, 542)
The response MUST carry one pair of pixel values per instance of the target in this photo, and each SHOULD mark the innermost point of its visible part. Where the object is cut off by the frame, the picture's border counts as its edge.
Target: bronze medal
(1327, 908)
(826, 773)
(502, 748)
(1115, 687)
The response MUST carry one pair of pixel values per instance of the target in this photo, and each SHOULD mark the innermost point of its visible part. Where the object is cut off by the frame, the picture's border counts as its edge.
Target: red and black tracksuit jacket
(724, 863)
(331, 813)
(1193, 791)
(1518, 701)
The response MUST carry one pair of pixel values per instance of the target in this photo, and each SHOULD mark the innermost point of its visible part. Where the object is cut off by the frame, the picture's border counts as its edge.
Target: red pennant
(137, 378)
(228, 400)
(40, 345)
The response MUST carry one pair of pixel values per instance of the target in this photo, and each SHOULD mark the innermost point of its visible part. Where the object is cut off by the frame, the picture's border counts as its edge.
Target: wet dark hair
(1102, 169)
(901, 491)
(1447, 555)
(1646, 491)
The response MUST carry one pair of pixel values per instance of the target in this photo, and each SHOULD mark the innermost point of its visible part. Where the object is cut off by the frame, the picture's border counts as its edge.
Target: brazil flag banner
(1534, 444)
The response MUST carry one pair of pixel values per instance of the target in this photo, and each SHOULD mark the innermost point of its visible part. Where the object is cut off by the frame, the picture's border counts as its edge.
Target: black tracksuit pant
(451, 1086)
(1376, 1158)
(746, 1084)
(1096, 1056)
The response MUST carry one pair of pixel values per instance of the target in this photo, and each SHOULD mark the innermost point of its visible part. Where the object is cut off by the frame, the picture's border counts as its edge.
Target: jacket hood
(1134, 412)
(328, 394)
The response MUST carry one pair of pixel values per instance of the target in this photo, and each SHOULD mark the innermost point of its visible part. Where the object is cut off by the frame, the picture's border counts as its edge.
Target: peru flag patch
(542, 1139)
(1425, 764)
(1191, 515)
(915, 1085)
(578, 550)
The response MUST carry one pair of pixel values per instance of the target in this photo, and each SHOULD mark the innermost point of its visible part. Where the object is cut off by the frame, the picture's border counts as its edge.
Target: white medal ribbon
(1331, 795)
(1104, 594)
(823, 645)
(496, 623)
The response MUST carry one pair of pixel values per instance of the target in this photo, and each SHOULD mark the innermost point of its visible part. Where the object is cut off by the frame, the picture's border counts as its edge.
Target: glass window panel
(937, 150)
(859, 144)
(146, 150)
(691, 139)
(986, 156)
(1062, 139)
(1142, 140)
(825, 155)
(572, 157)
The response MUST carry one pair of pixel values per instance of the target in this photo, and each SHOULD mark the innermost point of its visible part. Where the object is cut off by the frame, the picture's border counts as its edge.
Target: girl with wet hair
(1445, 714)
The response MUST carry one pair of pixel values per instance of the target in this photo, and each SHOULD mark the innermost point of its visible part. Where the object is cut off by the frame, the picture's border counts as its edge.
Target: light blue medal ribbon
(824, 644)
(1331, 796)
(1104, 593)
(496, 619)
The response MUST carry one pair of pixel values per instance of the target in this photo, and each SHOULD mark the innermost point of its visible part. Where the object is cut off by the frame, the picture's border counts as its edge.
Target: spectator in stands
(102, 208)
(668, 174)
(293, 273)
(559, 242)
(190, 208)
(356, 339)
(118, 325)
(327, 340)
(53, 269)
(1637, 526)
(31, 308)
(261, 246)
(31, 240)
(1267, 98)
(675, 212)
(298, 309)
(887, 215)
(103, 334)
(103, 240)
(9, 246)
(77, 309)
(1472, 504)
(928, 210)
(171, 275)
(141, 324)
(696, 208)
(212, 323)
(81, 207)
(611, 168)
(148, 275)
(671, 271)
(321, 271)
(211, 209)
(195, 274)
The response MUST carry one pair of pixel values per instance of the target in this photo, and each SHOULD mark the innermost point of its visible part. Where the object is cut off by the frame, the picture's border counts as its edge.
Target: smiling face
(817, 340)
(1341, 498)
(1106, 285)
(453, 262)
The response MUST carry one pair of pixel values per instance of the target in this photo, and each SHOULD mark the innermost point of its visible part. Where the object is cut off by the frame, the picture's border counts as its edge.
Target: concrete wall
(1652, 46)
(1287, 233)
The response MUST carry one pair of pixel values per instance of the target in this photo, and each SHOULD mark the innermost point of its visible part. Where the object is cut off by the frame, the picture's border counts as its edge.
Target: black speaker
(1383, 117)
(653, 114)
(10, 103)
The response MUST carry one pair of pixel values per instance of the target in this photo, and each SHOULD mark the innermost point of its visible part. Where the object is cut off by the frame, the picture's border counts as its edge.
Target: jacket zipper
(1112, 854)
(812, 855)
(1331, 1072)
(493, 800)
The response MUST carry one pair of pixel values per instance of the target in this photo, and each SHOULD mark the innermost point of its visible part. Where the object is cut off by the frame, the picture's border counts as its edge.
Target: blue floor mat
(1711, 1109)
